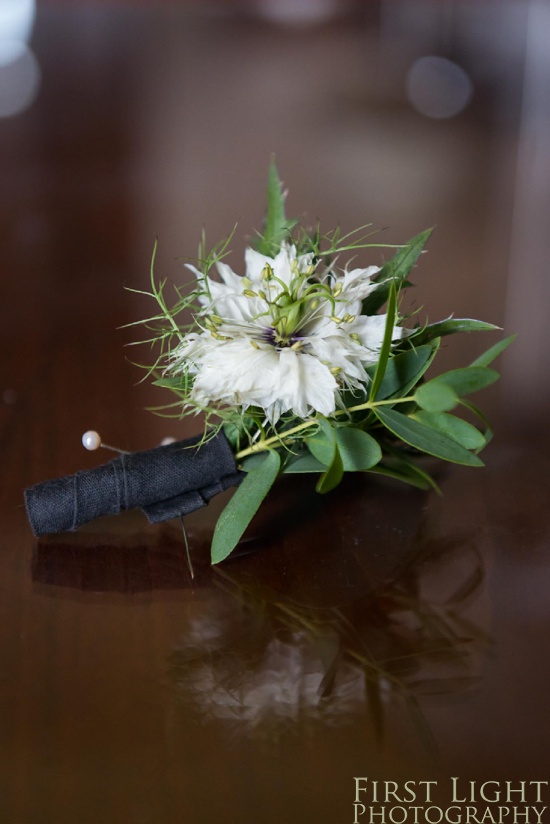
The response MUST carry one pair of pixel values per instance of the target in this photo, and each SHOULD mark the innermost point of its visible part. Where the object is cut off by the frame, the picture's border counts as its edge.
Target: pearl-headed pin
(91, 440)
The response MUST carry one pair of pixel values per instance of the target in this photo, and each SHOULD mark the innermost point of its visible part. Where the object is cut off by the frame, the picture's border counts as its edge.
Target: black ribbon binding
(164, 482)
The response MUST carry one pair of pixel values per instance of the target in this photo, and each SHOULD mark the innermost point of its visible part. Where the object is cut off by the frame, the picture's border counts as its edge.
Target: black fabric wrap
(165, 482)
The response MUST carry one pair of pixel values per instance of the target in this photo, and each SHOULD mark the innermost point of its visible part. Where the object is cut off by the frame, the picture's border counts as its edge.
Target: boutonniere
(299, 362)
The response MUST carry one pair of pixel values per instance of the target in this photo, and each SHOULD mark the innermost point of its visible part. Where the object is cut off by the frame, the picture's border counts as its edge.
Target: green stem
(261, 446)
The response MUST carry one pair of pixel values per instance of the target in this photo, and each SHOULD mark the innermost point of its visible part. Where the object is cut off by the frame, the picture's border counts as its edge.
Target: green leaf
(303, 463)
(425, 438)
(488, 434)
(324, 447)
(359, 450)
(436, 396)
(332, 476)
(323, 444)
(407, 473)
(468, 379)
(400, 458)
(489, 356)
(402, 371)
(395, 271)
(386, 343)
(450, 326)
(252, 462)
(243, 506)
(456, 428)
(276, 226)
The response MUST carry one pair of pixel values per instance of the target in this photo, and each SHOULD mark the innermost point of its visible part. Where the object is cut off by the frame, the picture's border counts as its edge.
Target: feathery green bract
(276, 227)
(396, 272)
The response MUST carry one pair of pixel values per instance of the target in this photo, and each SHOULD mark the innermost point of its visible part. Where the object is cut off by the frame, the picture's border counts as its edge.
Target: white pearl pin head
(91, 440)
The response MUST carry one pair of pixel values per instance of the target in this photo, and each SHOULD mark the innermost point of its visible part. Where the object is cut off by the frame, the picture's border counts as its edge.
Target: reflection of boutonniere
(261, 654)
(296, 369)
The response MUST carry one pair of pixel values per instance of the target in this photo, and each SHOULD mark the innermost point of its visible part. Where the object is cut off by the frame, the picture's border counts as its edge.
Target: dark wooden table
(380, 632)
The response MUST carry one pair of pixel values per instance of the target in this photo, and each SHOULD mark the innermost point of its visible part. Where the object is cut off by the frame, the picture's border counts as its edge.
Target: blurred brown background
(126, 121)
(128, 694)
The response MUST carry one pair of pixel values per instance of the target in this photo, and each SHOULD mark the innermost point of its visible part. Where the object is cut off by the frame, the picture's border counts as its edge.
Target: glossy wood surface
(378, 631)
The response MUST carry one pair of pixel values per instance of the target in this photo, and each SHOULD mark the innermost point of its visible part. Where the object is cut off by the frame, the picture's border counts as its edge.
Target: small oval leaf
(359, 450)
(322, 445)
(436, 396)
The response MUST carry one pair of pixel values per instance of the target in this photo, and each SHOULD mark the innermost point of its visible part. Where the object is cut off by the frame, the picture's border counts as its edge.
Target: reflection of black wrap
(165, 482)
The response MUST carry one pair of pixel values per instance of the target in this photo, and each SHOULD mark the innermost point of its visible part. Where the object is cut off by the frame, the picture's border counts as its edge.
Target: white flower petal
(255, 264)
(356, 285)
(370, 331)
(281, 264)
(229, 277)
(236, 373)
(198, 274)
(305, 384)
(232, 305)
(339, 350)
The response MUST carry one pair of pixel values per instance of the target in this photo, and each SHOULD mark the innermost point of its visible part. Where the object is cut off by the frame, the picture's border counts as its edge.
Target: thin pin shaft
(187, 552)
(114, 449)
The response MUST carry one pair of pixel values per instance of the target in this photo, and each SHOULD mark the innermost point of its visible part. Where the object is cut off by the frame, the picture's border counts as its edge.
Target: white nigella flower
(283, 338)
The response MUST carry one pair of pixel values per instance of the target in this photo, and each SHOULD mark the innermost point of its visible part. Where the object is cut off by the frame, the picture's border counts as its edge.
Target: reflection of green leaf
(359, 450)
(443, 686)
(395, 272)
(462, 431)
(426, 438)
(468, 587)
(375, 705)
(436, 396)
(449, 327)
(243, 505)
